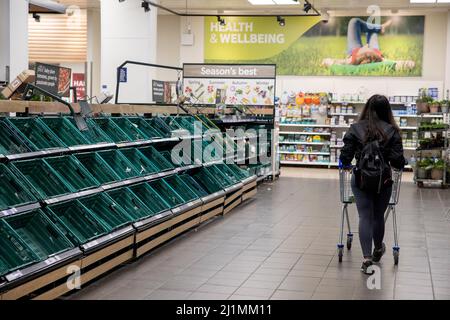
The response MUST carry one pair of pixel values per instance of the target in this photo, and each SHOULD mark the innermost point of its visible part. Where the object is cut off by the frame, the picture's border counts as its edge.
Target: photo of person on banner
(364, 54)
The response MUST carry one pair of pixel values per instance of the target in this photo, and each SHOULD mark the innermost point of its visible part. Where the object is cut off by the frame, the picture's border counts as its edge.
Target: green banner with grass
(307, 46)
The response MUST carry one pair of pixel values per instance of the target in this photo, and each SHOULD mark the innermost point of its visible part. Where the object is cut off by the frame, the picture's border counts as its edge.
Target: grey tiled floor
(281, 245)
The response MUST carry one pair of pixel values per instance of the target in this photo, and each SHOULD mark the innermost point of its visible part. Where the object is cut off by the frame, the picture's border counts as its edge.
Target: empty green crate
(146, 128)
(183, 190)
(194, 185)
(14, 253)
(111, 130)
(45, 181)
(240, 173)
(94, 134)
(130, 129)
(9, 143)
(107, 210)
(167, 193)
(207, 122)
(39, 233)
(207, 181)
(156, 158)
(150, 197)
(98, 168)
(35, 133)
(172, 122)
(230, 174)
(66, 131)
(73, 172)
(78, 223)
(160, 125)
(224, 180)
(131, 203)
(119, 163)
(13, 192)
(168, 157)
(139, 161)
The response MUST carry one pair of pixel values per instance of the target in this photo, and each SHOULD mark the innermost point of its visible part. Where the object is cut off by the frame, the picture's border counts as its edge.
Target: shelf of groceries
(312, 134)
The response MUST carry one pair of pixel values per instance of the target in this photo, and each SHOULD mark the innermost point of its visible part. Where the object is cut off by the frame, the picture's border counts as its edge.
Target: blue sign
(123, 75)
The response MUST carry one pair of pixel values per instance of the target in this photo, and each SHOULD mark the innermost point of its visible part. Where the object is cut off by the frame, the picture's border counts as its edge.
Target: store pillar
(128, 33)
(13, 38)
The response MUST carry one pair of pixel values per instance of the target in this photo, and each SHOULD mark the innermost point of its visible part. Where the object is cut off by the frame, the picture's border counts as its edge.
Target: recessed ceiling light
(272, 2)
(422, 1)
(261, 2)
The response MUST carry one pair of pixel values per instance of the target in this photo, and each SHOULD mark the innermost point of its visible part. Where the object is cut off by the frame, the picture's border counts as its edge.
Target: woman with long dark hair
(376, 132)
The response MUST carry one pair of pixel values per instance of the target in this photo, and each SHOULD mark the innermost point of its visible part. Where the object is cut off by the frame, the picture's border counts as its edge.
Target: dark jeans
(371, 208)
(356, 27)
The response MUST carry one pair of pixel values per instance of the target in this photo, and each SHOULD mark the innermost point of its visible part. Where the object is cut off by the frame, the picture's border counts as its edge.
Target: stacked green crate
(240, 173)
(65, 131)
(97, 167)
(150, 197)
(74, 173)
(130, 202)
(9, 143)
(43, 179)
(112, 130)
(107, 211)
(120, 164)
(157, 159)
(224, 180)
(139, 161)
(166, 192)
(77, 222)
(181, 188)
(14, 253)
(35, 133)
(13, 192)
(146, 128)
(226, 171)
(94, 134)
(131, 130)
(39, 233)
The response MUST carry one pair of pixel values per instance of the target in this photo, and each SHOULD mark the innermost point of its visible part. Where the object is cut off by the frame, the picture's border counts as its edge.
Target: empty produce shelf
(120, 164)
(183, 190)
(131, 203)
(130, 129)
(157, 159)
(166, 192)
(98, 167)
(66, 131)
(13, 192)
(139, 161)
(9, 142)
(150, 197)
(146, 128)
(111, 130)
(73, 172)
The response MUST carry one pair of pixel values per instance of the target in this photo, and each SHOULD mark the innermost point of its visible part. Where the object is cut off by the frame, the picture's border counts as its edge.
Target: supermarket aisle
(282, 246)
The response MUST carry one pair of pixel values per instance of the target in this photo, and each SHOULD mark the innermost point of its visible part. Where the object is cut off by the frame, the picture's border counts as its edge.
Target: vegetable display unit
(65, 131)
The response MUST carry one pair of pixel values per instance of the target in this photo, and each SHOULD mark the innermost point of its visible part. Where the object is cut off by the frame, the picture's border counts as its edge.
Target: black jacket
(392, 148)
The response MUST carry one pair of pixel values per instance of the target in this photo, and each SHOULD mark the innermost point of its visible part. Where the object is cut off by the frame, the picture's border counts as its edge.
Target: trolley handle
(344, 167)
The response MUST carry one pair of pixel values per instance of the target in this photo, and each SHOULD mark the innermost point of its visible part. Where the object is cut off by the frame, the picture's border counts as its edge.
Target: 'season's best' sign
(229, 71)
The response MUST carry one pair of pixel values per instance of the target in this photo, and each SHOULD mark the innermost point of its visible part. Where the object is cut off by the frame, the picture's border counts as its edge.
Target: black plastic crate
(150, 197)
(45, 181)
(66, 131)
(120, 164)
(112, 130)
(130, 129)
(139, 161)
(9, 143)
(78, 223)
(73, 172)
(107, 210)
(157, 159)
(131, 203)
(181, 188)
(167, 193)
(39, 233)
(37, 135)
(14, 253)
(146, 128)
(193, 185)
(13, 191)
(98, 167)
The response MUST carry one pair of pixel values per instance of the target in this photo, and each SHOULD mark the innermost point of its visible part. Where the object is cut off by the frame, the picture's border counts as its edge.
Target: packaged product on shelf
(350, 109)
(332, 109)
(338, 109)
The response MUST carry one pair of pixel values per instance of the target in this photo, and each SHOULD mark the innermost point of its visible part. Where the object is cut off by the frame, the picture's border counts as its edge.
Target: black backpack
(372, 173)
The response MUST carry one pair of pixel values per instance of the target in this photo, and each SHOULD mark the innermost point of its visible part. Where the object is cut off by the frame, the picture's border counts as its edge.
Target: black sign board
(53, 79)
(158, 91)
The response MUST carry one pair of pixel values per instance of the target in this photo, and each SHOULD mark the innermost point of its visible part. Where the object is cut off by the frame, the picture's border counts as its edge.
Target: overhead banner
(230, 84)
(307, 46)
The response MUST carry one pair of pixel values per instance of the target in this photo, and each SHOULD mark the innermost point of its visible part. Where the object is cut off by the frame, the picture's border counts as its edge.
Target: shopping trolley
(347, 198)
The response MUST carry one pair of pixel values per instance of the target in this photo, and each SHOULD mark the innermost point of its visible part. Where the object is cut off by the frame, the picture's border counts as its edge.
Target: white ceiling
(244, 5)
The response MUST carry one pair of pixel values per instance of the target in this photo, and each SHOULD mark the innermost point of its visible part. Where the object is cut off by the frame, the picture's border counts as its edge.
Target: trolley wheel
(420, 184)
(349, 242)
(396, 257)
(340, 254)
